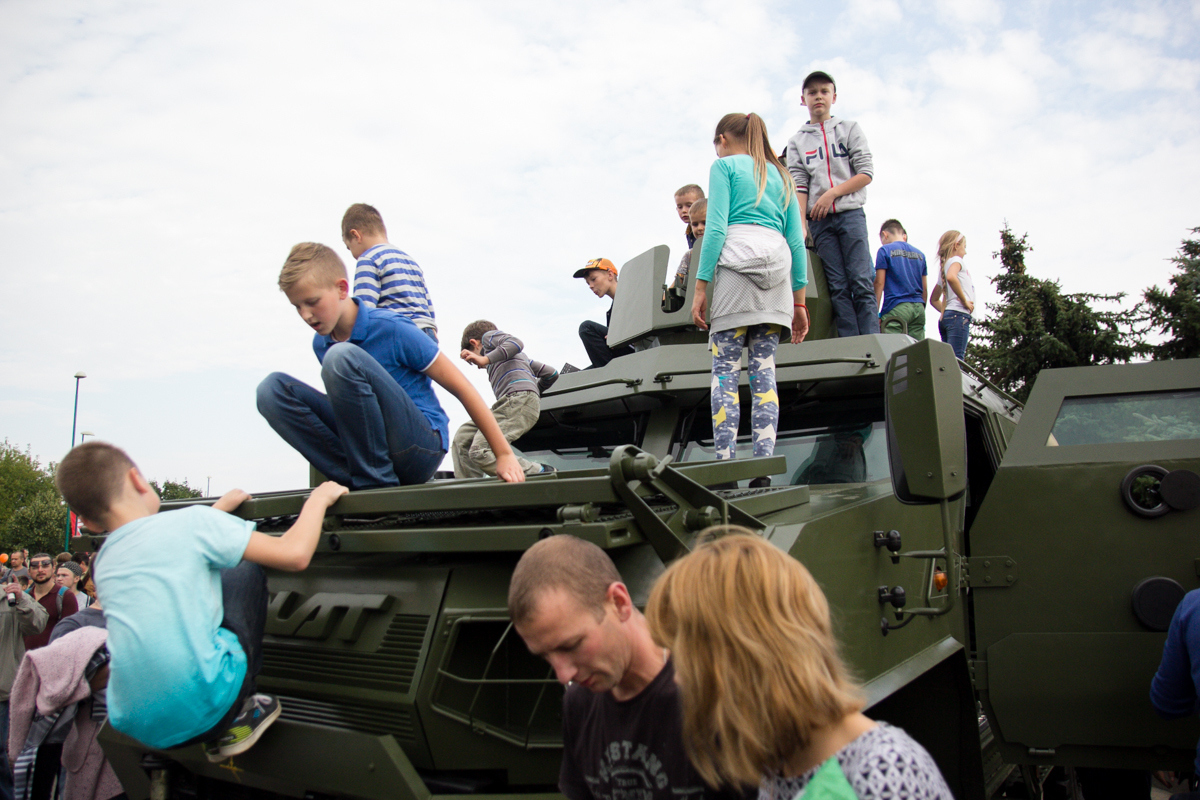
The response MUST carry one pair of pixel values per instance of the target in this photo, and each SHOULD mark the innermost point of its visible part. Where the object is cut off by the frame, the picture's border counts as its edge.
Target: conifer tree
(1036, 326)
(1176, 314)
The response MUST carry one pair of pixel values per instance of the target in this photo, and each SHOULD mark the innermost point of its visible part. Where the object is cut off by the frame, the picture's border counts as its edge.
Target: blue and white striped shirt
(385, 277)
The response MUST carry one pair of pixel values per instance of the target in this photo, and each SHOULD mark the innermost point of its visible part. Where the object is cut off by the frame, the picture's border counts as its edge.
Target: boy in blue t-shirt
(900, 282)
(185, 601)
(384, 275)
(379, 422)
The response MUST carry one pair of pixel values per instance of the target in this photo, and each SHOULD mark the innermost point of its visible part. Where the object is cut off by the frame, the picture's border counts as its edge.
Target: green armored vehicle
(1001, 577)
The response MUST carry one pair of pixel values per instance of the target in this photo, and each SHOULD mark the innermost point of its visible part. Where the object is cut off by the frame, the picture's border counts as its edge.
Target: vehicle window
(1142, 417)
(846, 444)
(585, 445)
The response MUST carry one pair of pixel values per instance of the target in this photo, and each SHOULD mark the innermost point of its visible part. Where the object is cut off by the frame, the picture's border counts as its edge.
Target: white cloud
(159, 161)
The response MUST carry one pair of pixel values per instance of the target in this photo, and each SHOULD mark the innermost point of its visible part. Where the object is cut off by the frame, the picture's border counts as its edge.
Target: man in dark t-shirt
(622, 721)
(44, 591)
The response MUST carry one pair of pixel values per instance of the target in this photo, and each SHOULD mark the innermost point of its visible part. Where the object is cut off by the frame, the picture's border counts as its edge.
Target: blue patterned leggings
(763, 341)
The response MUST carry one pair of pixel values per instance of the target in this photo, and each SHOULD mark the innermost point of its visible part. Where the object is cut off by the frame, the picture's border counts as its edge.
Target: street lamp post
(74, 418)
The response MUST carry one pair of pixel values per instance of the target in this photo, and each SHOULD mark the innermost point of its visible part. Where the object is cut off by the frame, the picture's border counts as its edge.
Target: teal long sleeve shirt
(731, 201)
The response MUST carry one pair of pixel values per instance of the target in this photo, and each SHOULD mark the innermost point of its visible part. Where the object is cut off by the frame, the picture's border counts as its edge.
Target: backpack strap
(58, 599)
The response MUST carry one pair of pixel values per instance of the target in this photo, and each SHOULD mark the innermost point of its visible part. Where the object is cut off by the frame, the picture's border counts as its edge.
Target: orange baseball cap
(596, 263)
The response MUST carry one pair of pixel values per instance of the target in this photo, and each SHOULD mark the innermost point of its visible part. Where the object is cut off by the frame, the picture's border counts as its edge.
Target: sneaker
(547, 469)
(258, 712)
(212, 751)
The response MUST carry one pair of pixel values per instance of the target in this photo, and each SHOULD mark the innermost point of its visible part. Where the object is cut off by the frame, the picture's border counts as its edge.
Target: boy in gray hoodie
(831, 164)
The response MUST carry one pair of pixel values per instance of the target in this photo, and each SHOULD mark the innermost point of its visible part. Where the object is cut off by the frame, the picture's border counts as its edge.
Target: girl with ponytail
(954, 294)
(754, 255)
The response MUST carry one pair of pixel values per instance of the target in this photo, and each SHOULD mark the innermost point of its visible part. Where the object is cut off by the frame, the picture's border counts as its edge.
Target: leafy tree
(1036, 326)
(170, 490)
(1176, 314)
(40, 525)
(21, 480)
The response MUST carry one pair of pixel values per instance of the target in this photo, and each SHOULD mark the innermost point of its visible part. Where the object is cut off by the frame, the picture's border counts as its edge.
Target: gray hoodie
(824, 154)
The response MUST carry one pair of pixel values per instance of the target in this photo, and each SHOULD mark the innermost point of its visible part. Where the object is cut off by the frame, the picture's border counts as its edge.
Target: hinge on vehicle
(979, 675)
(990, 572)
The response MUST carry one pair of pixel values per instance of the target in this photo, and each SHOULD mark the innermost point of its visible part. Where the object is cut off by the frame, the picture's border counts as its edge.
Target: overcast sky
(157, 162)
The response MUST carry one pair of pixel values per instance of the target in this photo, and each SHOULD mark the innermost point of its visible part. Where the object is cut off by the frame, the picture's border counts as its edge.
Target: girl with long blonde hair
(754, 255)
(954, 294)
(766, 697)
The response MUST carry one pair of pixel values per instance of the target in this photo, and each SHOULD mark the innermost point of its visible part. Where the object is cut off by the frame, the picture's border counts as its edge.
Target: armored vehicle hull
(1023, 569)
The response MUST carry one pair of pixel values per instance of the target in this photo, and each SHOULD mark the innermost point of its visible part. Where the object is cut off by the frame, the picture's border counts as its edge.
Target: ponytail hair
(945, 248)
(946, 245)
(750, 130)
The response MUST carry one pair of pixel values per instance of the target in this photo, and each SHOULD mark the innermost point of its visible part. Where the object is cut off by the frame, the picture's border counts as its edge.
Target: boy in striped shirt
(518, 383)
(384, 275)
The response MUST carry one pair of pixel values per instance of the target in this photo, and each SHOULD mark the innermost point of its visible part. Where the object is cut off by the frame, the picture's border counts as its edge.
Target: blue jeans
(955, 328)
(841, 242)
(365, 433)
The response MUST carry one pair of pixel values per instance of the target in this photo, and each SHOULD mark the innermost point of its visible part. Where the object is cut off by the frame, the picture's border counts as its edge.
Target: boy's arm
(924, 289)
(824, 203)
(366, 282)
(861, 163)
(881, 265)
(504, 345)
(443, 371)
(293, 550)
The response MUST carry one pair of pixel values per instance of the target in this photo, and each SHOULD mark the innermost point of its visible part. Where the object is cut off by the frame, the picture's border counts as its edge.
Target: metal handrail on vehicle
(665, 377)
(629, 382)
(975, 372)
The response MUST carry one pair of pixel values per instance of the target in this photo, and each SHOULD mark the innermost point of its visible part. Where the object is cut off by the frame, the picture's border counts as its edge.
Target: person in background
(518, 383)
(384, 275)
(954, 294)
(901, 282)
(85, 584)
(19, 618)
(67, 576)
(601, 277)
(57, 601)
(766, 696)
(698, 214)
(685, 198)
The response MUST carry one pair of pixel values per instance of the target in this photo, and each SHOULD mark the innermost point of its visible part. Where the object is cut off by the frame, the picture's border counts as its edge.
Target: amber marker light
(939, 580)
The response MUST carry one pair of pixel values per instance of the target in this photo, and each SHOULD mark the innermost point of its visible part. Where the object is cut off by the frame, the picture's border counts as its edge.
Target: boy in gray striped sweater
(518, 383)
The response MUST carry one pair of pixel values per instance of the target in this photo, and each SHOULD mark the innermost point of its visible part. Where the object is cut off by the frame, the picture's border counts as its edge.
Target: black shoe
(761, 482)
(547, 469)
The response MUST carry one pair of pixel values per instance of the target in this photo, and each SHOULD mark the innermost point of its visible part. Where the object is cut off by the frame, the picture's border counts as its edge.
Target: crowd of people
(379, 423)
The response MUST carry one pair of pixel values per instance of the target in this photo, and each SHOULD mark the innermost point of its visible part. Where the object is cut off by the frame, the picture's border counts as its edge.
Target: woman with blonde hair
(766, 697)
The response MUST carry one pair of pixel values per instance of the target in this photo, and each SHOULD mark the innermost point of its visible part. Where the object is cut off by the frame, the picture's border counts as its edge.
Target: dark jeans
(955, 329)
(366, 432)
(595, 342)
(6, 776)
(244, 594)
(841, 241)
